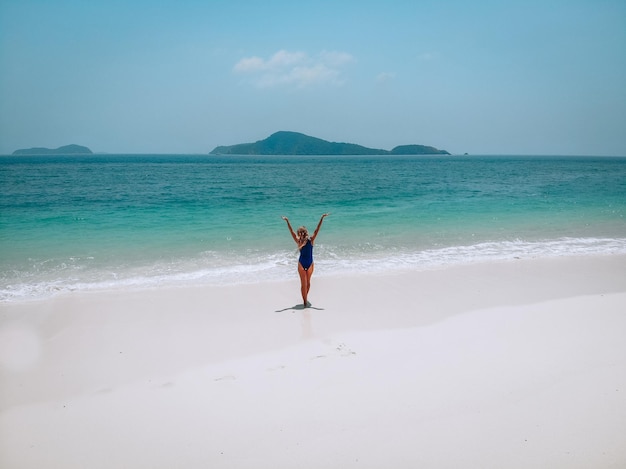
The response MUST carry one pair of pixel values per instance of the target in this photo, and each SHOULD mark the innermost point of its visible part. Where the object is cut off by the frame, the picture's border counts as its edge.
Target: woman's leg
(304, 283)
(308, 279)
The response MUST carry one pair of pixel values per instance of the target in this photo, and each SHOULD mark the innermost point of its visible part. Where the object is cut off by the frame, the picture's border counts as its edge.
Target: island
(294, 143)
(64, 150)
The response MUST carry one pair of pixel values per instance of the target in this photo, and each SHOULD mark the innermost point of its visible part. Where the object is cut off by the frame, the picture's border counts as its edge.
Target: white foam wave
(274, 266)
(483, 252)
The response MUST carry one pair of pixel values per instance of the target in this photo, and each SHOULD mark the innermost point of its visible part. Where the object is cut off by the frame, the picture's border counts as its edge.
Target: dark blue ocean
(107, 221)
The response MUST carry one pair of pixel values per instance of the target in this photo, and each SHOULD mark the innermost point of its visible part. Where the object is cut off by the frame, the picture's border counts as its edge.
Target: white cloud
(385, 77)
(249, 64)
(428, 56)
(296, 69)
(284, 59)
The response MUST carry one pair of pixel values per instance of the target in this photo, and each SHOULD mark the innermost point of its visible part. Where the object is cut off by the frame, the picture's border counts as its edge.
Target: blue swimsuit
(306, 255)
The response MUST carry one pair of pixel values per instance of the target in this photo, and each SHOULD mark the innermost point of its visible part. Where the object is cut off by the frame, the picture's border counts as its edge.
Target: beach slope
(511, 364)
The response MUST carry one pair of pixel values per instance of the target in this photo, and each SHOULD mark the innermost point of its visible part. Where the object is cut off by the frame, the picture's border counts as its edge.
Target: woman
(305, 263)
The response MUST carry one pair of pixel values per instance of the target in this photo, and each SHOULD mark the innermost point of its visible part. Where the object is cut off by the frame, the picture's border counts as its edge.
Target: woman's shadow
(306, 322)
(299, 307)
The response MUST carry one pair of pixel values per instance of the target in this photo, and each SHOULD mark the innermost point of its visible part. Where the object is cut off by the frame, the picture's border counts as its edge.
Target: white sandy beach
(514, 364)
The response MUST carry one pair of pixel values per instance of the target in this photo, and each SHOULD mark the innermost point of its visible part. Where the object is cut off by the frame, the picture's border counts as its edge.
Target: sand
(512, 364)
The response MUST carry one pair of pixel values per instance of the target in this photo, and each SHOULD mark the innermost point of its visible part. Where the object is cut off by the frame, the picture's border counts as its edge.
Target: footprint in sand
(277, 368)
(226, 378)
(341, 350)
(344, 351)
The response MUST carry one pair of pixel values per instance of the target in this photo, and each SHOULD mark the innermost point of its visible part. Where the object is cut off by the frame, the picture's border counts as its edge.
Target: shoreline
(504, 364)
(278, 266)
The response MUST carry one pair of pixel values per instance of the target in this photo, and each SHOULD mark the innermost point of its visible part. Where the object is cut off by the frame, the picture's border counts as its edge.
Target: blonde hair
(303, 236)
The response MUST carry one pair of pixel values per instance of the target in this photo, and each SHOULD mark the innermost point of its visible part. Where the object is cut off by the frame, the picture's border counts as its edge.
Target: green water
(85, 222)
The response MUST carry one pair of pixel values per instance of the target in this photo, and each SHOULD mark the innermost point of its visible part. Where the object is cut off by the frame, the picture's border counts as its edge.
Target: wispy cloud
(296, 69)
(385, 77)
(428, 56)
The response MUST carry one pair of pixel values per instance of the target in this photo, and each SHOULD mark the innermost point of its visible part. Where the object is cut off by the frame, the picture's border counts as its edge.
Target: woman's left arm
(319, 225)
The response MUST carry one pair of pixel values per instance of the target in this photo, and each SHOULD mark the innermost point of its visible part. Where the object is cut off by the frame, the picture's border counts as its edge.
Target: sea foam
(281, 265)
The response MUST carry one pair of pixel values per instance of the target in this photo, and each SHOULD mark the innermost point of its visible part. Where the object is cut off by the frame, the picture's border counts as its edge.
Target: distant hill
(294, 143)
(65, 150)
(417, 150)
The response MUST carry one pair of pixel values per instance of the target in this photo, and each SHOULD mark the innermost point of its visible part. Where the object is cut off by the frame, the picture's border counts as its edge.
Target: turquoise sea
(107, 221)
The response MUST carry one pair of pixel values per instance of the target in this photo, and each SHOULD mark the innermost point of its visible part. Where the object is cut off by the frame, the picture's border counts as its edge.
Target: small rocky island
(64, 150)
(294, 143)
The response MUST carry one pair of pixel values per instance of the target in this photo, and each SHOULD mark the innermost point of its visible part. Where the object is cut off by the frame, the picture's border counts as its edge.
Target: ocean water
(105, 221)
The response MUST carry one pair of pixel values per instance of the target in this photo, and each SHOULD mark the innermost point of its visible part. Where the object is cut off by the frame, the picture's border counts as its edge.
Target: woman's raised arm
(319, 225)
(293, 235)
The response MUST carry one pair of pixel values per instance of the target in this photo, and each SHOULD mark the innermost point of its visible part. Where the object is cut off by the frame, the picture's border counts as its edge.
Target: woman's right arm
(293, 235)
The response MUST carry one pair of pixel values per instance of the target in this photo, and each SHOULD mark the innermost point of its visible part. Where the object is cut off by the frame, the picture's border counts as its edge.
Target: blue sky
(483, 77)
